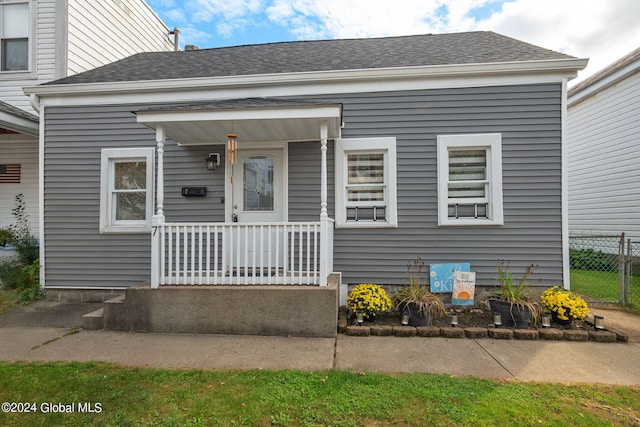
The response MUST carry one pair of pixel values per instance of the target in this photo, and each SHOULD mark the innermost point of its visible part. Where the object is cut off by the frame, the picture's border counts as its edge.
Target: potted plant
(513, 300)
(368, 299)
(417, 300)
(565, 306)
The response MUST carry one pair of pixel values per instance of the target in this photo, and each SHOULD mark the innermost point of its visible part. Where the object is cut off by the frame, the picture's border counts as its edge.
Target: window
(366, 182)
(470, 179)
(14, 36)
(126, 182)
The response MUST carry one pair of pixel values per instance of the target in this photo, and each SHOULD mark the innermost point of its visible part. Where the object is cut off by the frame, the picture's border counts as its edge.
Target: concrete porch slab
(305, 311)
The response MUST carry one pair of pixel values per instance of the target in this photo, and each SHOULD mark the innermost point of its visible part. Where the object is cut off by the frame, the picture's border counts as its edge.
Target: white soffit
(204, 127)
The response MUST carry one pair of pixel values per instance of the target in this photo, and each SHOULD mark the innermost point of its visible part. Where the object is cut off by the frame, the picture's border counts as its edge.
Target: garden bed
(472, 323)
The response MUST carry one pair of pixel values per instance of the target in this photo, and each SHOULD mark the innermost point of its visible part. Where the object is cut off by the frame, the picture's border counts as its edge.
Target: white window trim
(493, 143)
(386, 145)
(108, 156)
(30, 71)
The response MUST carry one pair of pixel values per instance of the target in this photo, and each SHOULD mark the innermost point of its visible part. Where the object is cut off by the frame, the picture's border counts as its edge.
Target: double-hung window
(470, 179)
(126, 182)
(14, 36)
(366, 182)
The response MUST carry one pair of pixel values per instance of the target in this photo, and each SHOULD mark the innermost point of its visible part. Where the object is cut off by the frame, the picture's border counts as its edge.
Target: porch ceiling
(253, 120)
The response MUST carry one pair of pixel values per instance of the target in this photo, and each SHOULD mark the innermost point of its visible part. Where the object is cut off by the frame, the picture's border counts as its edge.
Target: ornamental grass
(566, 305)
(368, 299)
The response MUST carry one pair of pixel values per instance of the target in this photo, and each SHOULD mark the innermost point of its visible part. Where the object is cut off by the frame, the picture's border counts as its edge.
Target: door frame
(228, 188)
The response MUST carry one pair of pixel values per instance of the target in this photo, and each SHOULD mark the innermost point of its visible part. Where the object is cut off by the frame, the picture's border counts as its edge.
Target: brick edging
(550, 334)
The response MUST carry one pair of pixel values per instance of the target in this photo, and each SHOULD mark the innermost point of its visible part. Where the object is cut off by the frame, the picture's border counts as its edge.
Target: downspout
(34, 100)
(564, 198)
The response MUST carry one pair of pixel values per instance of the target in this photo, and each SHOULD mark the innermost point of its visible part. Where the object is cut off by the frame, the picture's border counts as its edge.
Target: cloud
(601, 30)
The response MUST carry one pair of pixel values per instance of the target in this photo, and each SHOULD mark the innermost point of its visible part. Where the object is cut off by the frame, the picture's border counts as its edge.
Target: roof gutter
(566, 67)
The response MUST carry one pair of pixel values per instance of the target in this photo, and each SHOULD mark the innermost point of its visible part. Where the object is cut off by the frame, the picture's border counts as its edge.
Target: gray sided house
(328, 163)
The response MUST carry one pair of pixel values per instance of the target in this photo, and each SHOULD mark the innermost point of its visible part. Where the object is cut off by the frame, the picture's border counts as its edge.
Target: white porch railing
(241, 253)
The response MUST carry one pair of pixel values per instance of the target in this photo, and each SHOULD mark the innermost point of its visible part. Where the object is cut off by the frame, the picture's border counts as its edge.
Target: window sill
(365, 224)
(469, 222)
(125, 229)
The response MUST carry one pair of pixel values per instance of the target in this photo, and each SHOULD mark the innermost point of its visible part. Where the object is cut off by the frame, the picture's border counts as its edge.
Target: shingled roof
(324, 55)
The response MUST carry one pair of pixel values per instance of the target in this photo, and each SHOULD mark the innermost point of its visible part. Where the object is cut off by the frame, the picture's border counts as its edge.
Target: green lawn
(152, 397)
(603, 285)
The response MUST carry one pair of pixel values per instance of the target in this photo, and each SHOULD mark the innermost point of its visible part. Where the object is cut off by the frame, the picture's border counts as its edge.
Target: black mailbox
(194, 191)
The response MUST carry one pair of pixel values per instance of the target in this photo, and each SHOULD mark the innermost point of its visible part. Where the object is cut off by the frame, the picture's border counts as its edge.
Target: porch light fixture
(598, 322)
(546, 319)
(213, 161)
(454, 319)
(497, 319)
(232, 147)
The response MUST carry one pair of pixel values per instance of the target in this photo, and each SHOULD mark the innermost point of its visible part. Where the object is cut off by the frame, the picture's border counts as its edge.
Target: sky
(601, 30)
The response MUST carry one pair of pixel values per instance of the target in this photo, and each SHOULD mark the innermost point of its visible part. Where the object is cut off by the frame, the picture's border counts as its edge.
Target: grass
(603, 286)
(153, 397)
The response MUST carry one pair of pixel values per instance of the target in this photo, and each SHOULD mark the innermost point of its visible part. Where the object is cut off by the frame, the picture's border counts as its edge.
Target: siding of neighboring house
(22, 150)
(529, 118)
(604, 172)
(11, 83)
(103, 32)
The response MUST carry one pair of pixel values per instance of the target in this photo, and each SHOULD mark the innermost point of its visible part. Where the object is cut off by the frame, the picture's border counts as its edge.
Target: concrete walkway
(553, 361)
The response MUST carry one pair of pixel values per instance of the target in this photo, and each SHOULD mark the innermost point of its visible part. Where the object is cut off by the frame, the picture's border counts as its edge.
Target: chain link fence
(605, 268)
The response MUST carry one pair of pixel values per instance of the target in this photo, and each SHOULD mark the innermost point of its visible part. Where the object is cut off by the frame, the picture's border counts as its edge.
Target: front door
(258, 200)
(258, 186)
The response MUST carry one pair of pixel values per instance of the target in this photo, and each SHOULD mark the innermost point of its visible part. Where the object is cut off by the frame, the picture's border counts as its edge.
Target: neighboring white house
(603, 150)
(44, 40)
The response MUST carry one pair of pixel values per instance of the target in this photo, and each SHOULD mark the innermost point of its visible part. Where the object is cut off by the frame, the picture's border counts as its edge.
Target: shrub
(5, 236)
(590, 259)
(21, 280)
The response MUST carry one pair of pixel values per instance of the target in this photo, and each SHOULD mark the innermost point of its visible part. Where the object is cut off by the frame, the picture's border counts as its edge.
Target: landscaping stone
(500, 333)
(358, 331)
(381, 330)
(342, 325)
(526, 334)
(551, 334)
(404, 331)
(603, 336)
(428, 331)
(475, 332)
(576, 335)
(451, 332)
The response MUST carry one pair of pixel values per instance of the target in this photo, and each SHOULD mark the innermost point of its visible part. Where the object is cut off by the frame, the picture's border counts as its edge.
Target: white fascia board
(303, 84)
(19, 124)
(255, 113)
(604, 83)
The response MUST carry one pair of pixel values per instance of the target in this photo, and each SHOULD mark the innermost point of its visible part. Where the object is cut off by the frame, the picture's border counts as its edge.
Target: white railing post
(324, 216)
(158, 219)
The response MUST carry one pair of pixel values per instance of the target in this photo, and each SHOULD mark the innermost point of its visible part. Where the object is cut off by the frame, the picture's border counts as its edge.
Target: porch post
(158, 218)
(324, 216)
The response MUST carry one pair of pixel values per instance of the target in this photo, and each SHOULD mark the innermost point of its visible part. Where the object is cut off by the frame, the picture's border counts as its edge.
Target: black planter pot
(559, 321)
(416, 318)
(511, 315)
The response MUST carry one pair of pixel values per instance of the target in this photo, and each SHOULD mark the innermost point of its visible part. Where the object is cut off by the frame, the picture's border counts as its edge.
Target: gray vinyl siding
(528, 117)
(77, 255)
